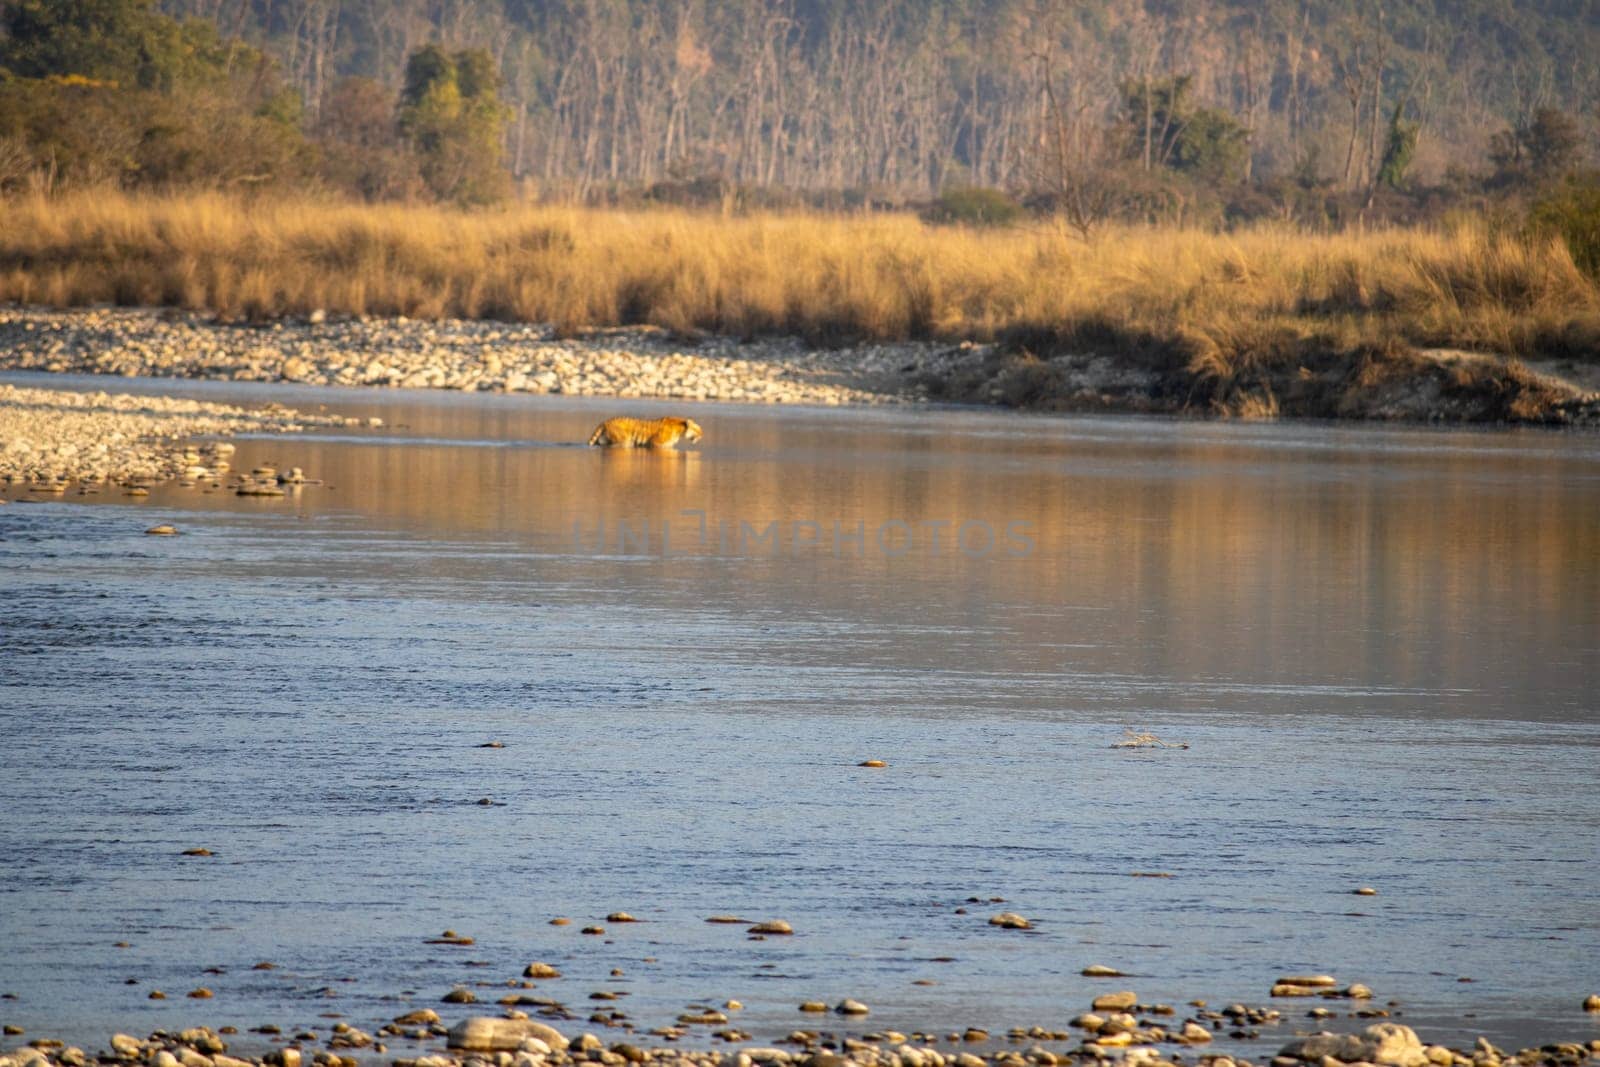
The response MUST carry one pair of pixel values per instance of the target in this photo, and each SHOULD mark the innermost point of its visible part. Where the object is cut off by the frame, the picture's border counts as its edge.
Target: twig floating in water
(1132, 738)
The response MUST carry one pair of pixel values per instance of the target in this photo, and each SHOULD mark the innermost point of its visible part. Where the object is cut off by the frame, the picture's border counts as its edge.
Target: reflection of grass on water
(1232, 319)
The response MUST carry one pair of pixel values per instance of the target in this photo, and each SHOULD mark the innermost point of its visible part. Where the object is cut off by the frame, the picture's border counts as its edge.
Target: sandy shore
(50, 438)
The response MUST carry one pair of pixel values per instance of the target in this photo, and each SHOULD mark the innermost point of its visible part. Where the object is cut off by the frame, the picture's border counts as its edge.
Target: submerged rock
(1119, 1001)
(1316, 980)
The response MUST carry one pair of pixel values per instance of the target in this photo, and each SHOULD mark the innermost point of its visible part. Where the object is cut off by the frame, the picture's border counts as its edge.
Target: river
(1381, 647)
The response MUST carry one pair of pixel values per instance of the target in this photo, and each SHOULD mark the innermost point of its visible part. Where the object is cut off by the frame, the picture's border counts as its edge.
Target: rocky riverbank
(50, 438)
(419, 1039)
(467, 355)
(1393, 384)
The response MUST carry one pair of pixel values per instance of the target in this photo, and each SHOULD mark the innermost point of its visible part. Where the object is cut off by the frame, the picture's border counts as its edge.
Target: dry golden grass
(1219, 304)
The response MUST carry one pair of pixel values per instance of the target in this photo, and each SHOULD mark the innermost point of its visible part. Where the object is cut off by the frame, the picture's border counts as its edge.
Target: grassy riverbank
(1254, 322)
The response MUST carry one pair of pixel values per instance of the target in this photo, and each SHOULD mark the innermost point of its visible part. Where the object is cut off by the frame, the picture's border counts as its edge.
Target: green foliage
(975, 206)
(107, 40)
(1399, 147)
(113, 91)
(1161, 127)
(77, 132)
(1552, 140)
(1211, 144)
(124, 42)
(1541, 149)
(451, 114)
(1573, 214)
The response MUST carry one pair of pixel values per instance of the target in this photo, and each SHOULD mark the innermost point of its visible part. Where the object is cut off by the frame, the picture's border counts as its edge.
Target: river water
(1381, 647)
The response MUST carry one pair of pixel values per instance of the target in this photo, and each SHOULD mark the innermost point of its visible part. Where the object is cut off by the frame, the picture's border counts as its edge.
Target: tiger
(645, 433)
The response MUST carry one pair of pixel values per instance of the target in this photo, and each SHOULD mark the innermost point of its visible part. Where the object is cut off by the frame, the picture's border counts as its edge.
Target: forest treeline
(1163, 110)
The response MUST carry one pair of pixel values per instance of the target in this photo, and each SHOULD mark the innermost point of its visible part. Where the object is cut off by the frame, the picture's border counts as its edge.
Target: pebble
(872, 763)
(540, 970)
(813, 1006)
(459, 996)
(620, 917)
(163, 530)
(1010, 920)
(516, 1041)
(199, 994)
(772, 926)
(1365, 891)
(1591, 1002)
(1100, 970)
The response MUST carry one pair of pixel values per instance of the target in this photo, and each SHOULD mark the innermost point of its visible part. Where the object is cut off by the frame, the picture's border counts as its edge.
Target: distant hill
(1167, 110)
(914, 95)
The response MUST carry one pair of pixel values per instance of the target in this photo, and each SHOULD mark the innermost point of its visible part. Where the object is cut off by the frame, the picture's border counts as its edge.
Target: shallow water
(1381, 646)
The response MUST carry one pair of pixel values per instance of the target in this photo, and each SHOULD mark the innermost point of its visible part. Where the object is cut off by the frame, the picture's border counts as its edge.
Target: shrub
(975, 206)
(1573, 214)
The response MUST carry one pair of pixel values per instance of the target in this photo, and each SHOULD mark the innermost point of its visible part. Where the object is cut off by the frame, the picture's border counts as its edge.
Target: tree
(1552, 139)
(1398, 149)
(126, 42)
(1538, 150)
(450, 112)
(360, 143)
(1162, 124)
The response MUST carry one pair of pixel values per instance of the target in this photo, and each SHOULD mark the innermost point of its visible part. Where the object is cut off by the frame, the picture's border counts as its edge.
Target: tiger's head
(691, 430)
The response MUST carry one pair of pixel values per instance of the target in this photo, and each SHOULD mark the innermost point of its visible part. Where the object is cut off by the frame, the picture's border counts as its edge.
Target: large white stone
(1389, 1044)
(483, 1033)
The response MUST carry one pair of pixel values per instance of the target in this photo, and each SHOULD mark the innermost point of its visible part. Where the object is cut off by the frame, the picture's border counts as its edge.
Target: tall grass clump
(1220, 304)
(1573, 215)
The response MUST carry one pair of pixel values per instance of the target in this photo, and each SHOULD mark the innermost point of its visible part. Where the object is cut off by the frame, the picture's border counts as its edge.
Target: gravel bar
(50, 438)
(636, 361)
